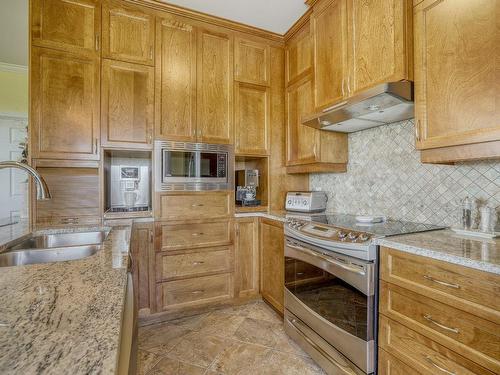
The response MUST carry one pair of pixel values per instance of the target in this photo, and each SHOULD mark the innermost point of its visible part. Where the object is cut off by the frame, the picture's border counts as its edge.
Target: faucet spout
(42, 190)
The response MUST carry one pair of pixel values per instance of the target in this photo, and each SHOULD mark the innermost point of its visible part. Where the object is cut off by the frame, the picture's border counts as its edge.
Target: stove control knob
(363, 237)
(342, 235)
(289, 201)
(352, 236)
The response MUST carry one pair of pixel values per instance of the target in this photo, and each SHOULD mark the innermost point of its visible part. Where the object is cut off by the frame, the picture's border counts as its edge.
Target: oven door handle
(336, 263)
(346, 370)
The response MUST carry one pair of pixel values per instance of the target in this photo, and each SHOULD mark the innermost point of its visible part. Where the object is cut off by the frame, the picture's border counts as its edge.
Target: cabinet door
(329, 29)
(302, 141)
(457, 72)
(215, 87)
(72, 26)
(127, 104)
(252, 117)
(298, 55)
(141, 248)
(377, 42)
(252, 62)
(64, 105)
(272, 262)
(247, 257)
(127, 34)
(175, 79)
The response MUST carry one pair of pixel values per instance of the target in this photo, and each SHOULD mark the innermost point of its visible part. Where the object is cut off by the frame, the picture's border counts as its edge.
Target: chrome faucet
(42, 190)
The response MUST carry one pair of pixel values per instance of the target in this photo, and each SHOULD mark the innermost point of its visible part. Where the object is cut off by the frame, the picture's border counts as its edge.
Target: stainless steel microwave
(193, 166)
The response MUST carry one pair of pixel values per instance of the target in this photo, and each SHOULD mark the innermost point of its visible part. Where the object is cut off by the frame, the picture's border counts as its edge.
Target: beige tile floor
(243, 340)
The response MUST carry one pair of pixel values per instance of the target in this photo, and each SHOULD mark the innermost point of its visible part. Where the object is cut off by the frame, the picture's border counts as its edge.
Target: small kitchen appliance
(129, 188)
(247, 182)
(306, 201)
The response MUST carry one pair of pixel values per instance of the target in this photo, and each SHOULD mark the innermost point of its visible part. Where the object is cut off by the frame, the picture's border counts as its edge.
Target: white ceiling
(14, 32)
(272, 15)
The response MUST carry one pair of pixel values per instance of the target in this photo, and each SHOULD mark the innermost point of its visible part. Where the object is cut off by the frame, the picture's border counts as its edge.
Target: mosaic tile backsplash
(385, 176)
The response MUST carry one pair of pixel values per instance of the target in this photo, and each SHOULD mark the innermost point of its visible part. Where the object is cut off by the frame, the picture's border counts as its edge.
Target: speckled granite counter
(65, 317)
(273, 215)
(446, 245)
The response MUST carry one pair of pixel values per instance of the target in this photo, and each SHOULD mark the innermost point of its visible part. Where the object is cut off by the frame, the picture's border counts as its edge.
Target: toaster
(306, 201)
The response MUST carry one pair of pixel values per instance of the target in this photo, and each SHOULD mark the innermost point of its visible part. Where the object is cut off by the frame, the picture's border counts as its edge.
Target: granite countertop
(446, 245)
(64, 317)
(273, 215)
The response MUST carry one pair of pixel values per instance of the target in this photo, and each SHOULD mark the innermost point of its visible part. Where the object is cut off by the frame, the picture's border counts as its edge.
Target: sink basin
(48, 241)
(56, 247)
(22, 257)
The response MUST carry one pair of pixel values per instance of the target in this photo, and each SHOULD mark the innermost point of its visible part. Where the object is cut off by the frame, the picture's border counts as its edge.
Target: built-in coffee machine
(247, 182)
(129, 188)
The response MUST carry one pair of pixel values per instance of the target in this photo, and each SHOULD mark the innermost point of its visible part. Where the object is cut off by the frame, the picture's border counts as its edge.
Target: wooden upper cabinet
(457, 74)
(175, 80)
(127, 106)
(302, 141)
(252, 119)
(67, 25)
(214, 87)
(298, 55)
(252, 62)
(329, 34)
(128, 34)
(380, 47)
(64, 105)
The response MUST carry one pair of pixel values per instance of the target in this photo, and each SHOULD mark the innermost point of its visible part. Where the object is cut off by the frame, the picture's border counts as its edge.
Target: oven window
(180, 164)
(328, 296)
(208, 164)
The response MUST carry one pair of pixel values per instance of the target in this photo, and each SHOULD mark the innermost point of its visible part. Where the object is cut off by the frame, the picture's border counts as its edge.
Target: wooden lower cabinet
(247, 257)
(390, 365)
(142, 252)
(272, 261)
(431, 320)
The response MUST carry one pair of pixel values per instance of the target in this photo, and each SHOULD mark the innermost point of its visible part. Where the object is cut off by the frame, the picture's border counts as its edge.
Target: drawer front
(194, 291)
(195, 235)
(475, 338)
(468, 289)
(184, 206)
(69, 220)
(420, 352)
(193, 263)
(390, 365)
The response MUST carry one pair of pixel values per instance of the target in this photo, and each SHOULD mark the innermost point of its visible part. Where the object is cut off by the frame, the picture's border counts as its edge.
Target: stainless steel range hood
(380, 105)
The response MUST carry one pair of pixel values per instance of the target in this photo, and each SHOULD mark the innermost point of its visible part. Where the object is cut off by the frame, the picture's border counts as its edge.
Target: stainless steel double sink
(53, 247)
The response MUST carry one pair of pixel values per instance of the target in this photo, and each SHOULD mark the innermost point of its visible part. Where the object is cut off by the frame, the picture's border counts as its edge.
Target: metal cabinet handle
(197, 291)
(197, 205)
(151, 52)
(97, 42)
(429, 359)
(197, 234)
(417, 131)
(429, 319)
(430, 278)
(95, 145)
(151, 236)
(345, 370)
(198, 262)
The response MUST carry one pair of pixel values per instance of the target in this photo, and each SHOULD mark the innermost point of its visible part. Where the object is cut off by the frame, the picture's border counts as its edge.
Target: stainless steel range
(331, 279)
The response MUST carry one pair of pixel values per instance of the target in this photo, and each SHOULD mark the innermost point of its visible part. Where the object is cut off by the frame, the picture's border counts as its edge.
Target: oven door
(333, 296)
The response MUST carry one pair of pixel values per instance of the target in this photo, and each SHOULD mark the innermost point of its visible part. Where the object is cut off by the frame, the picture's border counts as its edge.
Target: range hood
(380, 105)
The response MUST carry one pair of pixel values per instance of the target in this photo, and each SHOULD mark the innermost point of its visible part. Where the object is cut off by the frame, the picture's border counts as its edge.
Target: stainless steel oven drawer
(331, 360)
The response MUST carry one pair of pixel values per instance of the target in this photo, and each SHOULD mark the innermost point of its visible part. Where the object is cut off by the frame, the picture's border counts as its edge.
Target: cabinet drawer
(420, 352)
(468, 289)
(198, 290)
(390, 365)
(473, 337)
(189, 206)
(193, 263)
(195, 234)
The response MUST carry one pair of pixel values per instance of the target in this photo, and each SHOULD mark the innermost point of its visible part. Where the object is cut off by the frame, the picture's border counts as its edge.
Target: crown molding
(5, 67)
(298, 25)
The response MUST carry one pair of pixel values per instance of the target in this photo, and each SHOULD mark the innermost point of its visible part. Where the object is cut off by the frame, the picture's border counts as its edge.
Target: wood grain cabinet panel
(252, 119)
(298, 55)
(128, 34)
(329, 34)
(64, 105)
(390, 365)
(175, 115)
(457, 75)
(252, 62)
(194, 291)
(475, 338)
(421, 353)
(127, 106)
(67, 25)
(141, 248)
(272, 280)
(247, 257)
(192, 206)
(380, 47)
(214, 87)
